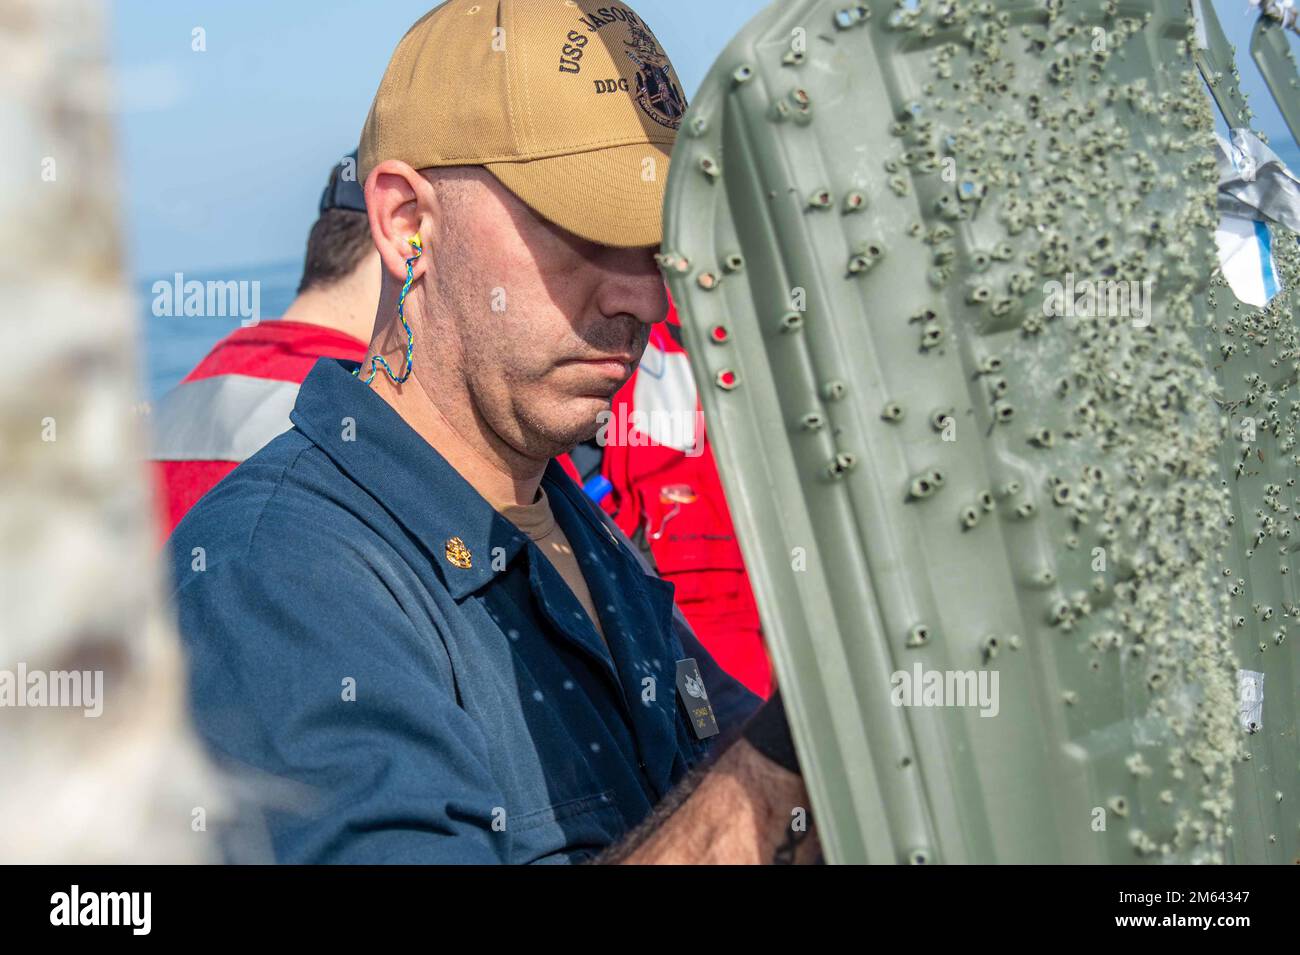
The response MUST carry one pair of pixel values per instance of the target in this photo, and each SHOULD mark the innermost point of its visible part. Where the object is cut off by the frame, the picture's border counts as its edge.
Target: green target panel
(1013, 471)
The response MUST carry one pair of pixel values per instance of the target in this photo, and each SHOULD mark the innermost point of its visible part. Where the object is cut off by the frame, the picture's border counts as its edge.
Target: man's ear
(401, 207)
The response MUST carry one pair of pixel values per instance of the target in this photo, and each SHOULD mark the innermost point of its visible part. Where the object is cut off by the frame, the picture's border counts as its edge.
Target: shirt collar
(373, 445)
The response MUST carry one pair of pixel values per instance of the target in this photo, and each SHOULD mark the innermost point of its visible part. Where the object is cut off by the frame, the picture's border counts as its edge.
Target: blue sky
(223, 153)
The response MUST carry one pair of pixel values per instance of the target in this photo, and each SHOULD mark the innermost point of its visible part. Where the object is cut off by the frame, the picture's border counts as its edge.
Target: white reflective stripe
(222, 418)
(664, 398)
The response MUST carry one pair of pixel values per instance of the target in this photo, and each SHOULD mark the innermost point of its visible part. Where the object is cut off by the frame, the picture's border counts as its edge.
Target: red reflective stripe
(284, 351)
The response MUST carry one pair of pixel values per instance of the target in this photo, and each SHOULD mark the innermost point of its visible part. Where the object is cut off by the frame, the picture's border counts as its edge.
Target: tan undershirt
(537, 521)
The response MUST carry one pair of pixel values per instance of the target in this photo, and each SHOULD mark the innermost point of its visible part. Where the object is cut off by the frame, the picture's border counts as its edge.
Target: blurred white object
(78, 571)
(1255, 189)
(1283, 10)
(1246, 257)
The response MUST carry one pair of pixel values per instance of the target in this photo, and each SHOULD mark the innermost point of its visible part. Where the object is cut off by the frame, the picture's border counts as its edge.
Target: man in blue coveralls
(403, 603)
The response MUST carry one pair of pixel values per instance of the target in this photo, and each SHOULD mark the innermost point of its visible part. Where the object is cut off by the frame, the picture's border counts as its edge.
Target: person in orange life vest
(239, 396)
(662, 488)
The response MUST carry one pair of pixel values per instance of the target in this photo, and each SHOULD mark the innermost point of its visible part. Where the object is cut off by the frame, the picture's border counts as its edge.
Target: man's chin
(581, 422)
(585, 424)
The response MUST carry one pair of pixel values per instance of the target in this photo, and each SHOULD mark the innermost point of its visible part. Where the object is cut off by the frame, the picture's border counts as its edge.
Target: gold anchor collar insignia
(457, 553)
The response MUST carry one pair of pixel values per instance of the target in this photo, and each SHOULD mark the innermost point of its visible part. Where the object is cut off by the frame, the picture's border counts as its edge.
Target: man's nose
(634, 286)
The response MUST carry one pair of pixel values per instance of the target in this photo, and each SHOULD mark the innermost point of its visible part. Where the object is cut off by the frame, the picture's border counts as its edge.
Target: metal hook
(676, 495)
(664, 523)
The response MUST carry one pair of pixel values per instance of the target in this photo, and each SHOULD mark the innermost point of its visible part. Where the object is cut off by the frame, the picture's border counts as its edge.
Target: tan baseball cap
(571, 104)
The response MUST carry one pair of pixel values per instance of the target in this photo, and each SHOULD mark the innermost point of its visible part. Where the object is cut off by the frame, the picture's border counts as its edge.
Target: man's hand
(745, 809)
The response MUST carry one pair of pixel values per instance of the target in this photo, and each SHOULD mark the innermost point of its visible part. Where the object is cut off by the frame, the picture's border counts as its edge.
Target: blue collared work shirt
(435, 713)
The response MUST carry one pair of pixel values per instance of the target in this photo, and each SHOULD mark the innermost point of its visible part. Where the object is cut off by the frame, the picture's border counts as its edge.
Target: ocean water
(174, 343)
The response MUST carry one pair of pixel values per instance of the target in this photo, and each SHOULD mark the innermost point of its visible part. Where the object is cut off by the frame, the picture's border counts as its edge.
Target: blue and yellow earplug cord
(376, 360)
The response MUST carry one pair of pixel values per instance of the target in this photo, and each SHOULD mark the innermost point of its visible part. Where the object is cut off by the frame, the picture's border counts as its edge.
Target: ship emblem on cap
(458, 553)
(656, 93)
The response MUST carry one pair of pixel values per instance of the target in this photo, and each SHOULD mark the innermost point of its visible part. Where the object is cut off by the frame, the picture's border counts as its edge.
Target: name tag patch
(693, 696)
